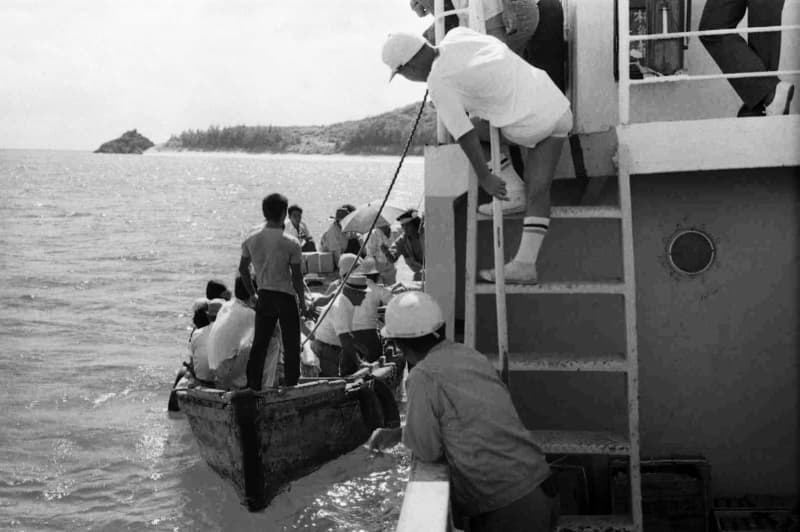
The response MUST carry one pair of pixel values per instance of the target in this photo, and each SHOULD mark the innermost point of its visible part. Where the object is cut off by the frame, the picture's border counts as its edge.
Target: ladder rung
(581, 442)
(531, 361)
(569, 211)
(570, 287)
(595, 523)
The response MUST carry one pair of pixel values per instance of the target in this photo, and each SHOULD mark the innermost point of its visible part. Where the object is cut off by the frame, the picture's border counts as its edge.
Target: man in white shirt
(296, 228)
(477, 74)
(230, 340)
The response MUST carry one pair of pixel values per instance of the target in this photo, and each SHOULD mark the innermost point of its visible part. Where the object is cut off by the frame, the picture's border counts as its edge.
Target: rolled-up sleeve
(422, 433)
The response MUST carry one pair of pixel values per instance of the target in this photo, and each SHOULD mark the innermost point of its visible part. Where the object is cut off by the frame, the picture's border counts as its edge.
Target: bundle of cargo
(756, 513)
(319, 262)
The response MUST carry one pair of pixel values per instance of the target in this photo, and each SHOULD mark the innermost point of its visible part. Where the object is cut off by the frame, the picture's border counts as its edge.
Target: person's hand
(418, 8)
(253, 301)
(398, 288)
(383, 439)
(510, 21)
(495, 186)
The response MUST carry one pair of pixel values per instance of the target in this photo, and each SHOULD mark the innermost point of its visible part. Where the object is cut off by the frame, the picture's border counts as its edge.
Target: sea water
(101, 257)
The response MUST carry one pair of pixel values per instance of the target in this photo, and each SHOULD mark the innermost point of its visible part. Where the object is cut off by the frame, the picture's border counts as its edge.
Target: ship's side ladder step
(567, 442)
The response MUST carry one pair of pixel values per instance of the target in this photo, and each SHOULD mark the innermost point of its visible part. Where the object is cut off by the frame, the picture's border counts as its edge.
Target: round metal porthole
(691, 252)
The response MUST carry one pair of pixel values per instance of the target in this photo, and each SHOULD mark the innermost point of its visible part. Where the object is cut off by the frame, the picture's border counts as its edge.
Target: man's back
(235, 322)
(458, 408)
(481, 75)
(271, 252)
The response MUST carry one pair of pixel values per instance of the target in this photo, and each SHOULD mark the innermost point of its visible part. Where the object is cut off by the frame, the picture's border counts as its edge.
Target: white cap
(411, 315)
(399, 48)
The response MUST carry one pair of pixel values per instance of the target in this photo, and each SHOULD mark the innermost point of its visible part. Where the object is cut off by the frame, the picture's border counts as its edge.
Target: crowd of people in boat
(272, 330)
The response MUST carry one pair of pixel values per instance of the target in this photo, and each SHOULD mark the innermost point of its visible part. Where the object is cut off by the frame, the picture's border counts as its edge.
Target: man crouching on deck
(477, 74)
(459, 409)
(276, 258)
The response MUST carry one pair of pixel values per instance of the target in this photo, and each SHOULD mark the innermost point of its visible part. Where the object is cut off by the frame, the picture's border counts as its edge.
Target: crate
(318, 262)
(675, 492)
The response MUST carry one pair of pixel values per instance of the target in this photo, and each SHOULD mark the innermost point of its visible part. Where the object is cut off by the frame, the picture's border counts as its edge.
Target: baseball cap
(399, 48)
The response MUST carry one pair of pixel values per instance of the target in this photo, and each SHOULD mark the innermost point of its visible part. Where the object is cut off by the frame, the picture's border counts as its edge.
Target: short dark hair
(239, 290)
(295, 208)
(200, 318)
(274, 207)
(422, 344)
(215, 289)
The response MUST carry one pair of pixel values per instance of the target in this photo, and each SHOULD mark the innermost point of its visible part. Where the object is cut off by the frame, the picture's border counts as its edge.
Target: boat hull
(261, 441)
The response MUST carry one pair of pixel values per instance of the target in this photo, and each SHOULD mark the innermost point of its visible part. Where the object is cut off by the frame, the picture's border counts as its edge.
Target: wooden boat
(259, 441)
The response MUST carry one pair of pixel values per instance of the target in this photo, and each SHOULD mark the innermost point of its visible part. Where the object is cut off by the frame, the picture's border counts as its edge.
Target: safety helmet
(411, 315)
(346, 261)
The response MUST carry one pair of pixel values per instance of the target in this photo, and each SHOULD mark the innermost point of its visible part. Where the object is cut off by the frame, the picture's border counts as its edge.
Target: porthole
(691, 252)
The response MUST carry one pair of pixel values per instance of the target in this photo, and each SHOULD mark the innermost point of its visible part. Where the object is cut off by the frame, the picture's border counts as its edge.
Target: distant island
(383, 134)
(130, 142)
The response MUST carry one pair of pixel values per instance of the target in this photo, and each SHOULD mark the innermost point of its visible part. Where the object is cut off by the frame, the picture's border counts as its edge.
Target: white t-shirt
(231, 331)
(325, 331)
(491, 8)
(479, 75)
(199, 348)
(365, 315)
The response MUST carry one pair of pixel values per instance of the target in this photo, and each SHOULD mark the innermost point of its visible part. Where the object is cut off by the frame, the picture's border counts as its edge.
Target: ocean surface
(101, 257)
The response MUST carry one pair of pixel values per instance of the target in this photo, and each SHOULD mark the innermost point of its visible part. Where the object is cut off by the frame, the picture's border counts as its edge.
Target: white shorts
(530, 132)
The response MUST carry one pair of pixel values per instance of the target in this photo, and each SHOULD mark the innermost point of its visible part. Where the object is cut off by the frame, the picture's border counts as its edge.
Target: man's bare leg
(540, 167)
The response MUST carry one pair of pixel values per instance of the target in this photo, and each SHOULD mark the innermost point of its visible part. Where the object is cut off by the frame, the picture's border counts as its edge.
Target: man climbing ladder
(519, 99)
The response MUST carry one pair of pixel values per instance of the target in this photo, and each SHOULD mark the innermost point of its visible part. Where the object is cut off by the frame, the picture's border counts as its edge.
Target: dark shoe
(744, 111)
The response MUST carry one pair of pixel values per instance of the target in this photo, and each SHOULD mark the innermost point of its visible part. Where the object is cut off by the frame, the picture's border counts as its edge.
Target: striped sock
(533, 232)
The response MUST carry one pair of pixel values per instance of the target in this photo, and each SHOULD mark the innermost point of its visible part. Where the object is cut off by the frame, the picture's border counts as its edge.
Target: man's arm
(244, 271)
(471, 145)
(299, 285)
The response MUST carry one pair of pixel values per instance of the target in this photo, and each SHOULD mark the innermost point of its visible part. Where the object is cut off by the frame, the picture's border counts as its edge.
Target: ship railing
(426, 503)
(624, 38)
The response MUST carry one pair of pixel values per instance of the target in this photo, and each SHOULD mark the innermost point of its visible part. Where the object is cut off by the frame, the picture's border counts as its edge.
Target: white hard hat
(399, 48)
(411, 315)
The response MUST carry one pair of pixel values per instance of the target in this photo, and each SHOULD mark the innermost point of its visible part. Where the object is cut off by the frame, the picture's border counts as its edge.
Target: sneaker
(516, 272)
(782, 99)
(517, 203)
(515, 190)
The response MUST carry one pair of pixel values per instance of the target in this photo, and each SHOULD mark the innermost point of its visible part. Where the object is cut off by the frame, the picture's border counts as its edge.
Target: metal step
(531, 361)
(568, 211)
(581, 442)
(595, 523)
(569, 287)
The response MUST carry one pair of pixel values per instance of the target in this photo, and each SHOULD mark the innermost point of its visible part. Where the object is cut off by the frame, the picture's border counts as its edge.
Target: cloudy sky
(75, 73)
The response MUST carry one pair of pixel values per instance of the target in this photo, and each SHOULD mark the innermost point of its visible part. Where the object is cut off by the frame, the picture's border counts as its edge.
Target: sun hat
(399, 48)
(411, 315)
(367, 266)
(409, 215)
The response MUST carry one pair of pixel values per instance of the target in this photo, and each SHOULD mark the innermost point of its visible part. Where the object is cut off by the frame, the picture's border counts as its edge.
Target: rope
(374, 222)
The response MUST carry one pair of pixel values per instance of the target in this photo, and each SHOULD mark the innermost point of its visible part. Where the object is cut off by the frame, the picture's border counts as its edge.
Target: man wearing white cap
(459, 410)
(477, 74)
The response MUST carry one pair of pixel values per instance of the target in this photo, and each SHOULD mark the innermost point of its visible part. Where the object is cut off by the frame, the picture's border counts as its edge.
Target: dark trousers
(368, 344)
(273, 307)
(547, 49)
(759, 53)
(535, 512)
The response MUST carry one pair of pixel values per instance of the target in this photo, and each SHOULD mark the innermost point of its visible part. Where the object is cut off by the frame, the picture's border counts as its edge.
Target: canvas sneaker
(516, 272)
(515, 189)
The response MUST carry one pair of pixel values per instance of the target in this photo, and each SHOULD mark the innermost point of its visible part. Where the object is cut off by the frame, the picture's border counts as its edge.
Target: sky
(76, 73)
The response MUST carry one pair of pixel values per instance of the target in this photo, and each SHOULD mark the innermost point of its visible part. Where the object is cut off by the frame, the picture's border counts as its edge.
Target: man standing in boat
(474, 73)
(459, 410)
(276, 258)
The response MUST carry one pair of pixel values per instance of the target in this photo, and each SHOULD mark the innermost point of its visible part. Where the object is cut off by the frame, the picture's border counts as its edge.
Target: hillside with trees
(383, 134)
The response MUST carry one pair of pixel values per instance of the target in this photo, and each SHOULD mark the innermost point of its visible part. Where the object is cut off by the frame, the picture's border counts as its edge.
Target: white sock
(534, 230)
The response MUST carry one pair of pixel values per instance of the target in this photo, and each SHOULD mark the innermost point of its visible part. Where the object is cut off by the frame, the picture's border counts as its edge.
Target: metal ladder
(561, 442)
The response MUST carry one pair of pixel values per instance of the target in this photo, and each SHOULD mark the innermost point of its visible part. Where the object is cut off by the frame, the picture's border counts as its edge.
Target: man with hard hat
(469, 72)
(460, 411)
